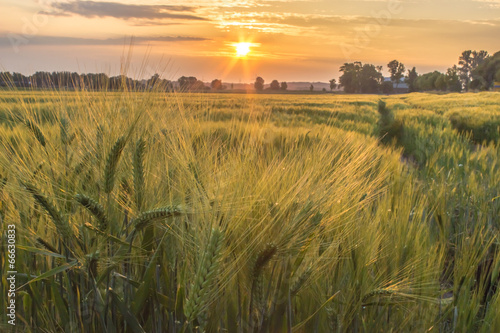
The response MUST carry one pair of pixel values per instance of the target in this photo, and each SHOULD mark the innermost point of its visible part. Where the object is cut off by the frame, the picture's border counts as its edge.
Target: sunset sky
(288, 40)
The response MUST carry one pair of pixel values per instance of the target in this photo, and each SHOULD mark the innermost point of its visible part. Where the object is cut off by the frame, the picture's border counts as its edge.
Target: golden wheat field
(154, 212)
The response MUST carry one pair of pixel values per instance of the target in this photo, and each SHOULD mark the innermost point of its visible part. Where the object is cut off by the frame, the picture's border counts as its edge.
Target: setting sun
(242, 49)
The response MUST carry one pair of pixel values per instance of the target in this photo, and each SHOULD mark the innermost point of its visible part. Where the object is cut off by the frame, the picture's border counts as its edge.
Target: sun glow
(242, 49)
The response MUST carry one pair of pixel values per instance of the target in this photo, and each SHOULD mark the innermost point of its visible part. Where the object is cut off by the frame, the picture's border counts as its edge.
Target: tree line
(476, 70)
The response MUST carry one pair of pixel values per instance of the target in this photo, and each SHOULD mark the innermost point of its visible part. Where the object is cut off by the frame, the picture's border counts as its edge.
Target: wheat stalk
(138, 166)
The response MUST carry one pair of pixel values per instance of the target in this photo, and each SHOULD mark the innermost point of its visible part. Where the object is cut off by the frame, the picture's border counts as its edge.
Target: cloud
(57, 40)
(92, 9)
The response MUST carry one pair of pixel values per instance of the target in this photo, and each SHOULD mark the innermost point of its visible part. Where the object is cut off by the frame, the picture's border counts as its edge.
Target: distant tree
(465, 63)
(427, 82)
(333, 84)
(199, 85)
(323, 90)
(259, 84)
(311, 88)
(216, 84)
(488, 72)
(187, 83)
(167, 85)
(371, 79)
(284, 86)
(153, 81)
(350, 79)
(453, 80)
(397, 70)
(410, 79)
(468, 62)
(479, 58)
(275, 85)
(440, 83)
(6, 79)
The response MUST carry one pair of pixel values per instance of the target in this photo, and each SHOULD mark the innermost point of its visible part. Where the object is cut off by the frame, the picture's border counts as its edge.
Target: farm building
(398, 88)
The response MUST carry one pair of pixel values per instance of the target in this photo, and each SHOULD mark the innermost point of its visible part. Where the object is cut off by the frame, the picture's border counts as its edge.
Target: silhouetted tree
(333, 84)
(410, 79)
(187, 83)
(350, 78)
(153, 81)
(453, 80)
(488, 72)
(259, 84)
(216, 84)
(397, 71)
(284, 86)
(371, 79)
(311, 88)
(468, 62)
(275, 85)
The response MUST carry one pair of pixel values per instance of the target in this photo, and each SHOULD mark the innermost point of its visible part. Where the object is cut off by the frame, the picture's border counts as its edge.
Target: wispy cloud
(57, 40)
(92, 9)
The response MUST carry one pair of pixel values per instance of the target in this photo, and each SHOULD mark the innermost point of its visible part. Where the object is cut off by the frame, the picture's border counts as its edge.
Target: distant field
(151, 212)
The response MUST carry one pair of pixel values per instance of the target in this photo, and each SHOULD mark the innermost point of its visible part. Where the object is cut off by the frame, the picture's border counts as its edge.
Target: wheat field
(154, 212)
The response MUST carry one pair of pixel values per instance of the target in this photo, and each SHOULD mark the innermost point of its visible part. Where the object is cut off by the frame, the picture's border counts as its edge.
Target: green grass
(146, 212)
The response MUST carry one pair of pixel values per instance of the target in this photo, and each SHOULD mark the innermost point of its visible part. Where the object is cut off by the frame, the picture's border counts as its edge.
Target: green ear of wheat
(61, 224)
(263, 258)
(112, 163)
(36, 132)
(205, 276)
(95, 209)
(145, 218)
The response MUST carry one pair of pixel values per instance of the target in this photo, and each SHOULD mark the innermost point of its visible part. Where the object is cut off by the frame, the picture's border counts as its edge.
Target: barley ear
(61, 224)
(146, 218)
(46, 245)
(205, 277)
(64, 130)
(298, 282)
(95, 209)
(263, 258)
(36, 131)
(112, 163)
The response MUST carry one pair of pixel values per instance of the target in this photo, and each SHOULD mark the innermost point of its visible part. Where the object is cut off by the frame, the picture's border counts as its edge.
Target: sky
(287, 40)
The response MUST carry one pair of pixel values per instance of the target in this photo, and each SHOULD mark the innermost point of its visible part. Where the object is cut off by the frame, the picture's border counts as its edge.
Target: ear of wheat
(145, 218)
(198, 297)
(95, 209)
(36, 131)
(61, 224)
(112, 164)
